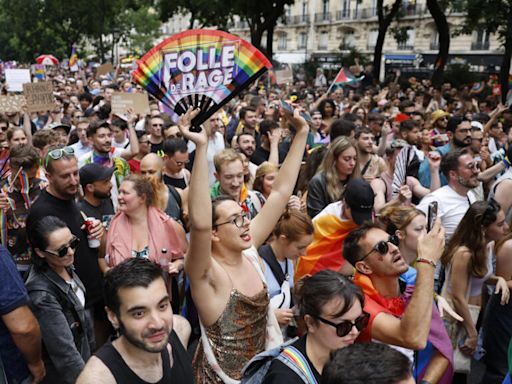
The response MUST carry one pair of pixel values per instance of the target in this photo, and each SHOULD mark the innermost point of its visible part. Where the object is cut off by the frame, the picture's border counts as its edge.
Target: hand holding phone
(432, 215)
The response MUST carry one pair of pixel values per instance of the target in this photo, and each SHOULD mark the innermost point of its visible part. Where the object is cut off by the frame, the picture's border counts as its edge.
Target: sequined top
(236, 337)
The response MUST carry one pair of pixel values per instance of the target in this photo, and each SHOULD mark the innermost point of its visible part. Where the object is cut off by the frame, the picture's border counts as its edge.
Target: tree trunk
(444, 40)
(256, 33)
(270, 41)
(505, 68)
(384, 23)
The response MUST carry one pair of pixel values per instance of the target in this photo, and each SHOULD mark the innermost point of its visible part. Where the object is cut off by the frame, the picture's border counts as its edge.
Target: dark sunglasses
(58, 153)
(63, 251)
(382, 246)
(344, 328)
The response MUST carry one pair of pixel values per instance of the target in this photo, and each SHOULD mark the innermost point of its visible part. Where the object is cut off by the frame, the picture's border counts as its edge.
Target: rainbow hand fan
(200, 68)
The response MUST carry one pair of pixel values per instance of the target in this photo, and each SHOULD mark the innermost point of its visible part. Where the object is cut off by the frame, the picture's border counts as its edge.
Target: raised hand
(185, 124)
(431, 245)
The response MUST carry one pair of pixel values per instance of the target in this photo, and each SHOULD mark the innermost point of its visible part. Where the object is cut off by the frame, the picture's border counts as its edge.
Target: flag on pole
(344, 78)
(73, 60)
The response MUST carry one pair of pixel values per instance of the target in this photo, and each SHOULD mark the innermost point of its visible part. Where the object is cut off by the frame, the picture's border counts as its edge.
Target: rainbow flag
(73, 60)
(325, 251)
(438, 339)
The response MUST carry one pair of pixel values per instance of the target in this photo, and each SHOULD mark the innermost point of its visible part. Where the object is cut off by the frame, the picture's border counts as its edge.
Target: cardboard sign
(15, 78)
(11, 103)
(122, 101)
(284, 76)
(39, 96)
(201, 70)
(104, 69)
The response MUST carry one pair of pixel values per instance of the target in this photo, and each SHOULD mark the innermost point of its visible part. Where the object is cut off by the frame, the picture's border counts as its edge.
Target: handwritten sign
(104, 69)
(15, 78)
(284, 76)
(39, 96)
(122, 101)
(11, 103)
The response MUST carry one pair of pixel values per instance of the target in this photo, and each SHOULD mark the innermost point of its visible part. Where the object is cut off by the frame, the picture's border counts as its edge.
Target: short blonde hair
(226, 156)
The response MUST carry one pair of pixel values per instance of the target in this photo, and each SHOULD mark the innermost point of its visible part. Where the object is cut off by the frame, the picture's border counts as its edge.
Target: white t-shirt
(215, 145)
(451, 207)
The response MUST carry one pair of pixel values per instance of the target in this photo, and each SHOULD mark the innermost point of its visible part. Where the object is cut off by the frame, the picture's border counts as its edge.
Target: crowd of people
(362, 238)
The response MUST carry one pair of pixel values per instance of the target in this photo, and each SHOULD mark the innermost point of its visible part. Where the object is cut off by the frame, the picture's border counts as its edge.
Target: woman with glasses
(57, 299)
(468, 259)
(332, 309)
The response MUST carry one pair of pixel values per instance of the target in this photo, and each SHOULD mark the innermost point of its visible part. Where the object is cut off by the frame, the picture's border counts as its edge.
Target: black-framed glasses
(63, 251)
(382, 246)
(238, 220)
(58, 153)
(344, 328)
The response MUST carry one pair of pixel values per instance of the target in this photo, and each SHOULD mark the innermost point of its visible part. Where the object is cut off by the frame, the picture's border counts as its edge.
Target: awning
(290, 58)
(395, 59)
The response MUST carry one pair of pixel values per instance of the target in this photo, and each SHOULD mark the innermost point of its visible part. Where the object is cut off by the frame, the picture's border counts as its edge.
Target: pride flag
(325, 251)
(73, 60)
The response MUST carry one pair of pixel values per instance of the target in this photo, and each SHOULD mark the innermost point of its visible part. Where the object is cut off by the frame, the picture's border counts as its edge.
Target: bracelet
(426, 261)
(506, 161)
(424, 382)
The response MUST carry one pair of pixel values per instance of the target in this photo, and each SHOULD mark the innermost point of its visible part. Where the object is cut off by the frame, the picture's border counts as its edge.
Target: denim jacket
(66, 327)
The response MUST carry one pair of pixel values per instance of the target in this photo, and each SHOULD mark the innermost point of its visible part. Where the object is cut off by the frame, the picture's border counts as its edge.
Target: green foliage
(350, 58)
(459, 75)
(399, 33)
(143, 25)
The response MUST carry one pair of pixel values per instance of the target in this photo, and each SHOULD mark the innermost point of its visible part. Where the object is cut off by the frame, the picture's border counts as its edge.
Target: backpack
(256, 369)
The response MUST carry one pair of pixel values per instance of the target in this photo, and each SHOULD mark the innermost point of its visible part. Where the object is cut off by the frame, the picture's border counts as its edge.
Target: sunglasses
(63, 251)
(344, 328)
(58, 153)
(382, 246)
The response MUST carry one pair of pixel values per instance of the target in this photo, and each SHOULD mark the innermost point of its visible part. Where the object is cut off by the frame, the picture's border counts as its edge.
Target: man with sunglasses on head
(402, 314)
(58, 199)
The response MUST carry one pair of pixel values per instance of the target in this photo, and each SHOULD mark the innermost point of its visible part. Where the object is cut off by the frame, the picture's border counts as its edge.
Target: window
(345, 9)
(481, 40)
(409, 43)
(303, 40)
(281, 41)
(324, 40)
(348, 40)
(434, 41)
(372, 38)
(325, 7)
(304, 9)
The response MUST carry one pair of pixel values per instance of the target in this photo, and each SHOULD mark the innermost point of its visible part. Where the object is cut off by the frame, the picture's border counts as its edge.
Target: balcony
(405, 46)
(344, 14)
(324, 17)
(367, 13)
(299, 19)
(242, 24)
(480, 46)
(285, 20)
(413, 10)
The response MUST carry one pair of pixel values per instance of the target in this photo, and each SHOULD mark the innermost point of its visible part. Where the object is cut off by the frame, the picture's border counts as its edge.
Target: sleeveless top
(236, 337)
(180, 372)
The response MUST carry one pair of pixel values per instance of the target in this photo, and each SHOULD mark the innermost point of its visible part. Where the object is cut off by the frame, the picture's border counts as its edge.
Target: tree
(386, 15)
(493, 16)
(207, 12)
(443, 30)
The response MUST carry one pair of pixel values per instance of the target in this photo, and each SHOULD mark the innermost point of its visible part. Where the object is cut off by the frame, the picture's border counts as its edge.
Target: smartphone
(432, 215)
(287, 107)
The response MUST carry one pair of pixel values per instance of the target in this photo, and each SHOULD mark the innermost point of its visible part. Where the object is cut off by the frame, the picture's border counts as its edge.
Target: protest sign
(104, 69)
(122, 101)
(15, 78)
(11, 103)
(39, 71)
(284, 76)
(39, 96)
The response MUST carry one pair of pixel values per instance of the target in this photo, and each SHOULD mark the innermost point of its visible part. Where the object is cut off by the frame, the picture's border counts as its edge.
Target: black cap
(90, 173)
(359, 197)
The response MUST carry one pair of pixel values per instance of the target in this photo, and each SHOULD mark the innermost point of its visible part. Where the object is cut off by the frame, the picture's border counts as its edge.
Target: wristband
(426, 261)
(424, 382)
(506, 161)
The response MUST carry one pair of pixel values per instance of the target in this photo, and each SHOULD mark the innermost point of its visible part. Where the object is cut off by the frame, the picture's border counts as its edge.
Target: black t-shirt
(86, 259)
(155, 148)
(279, 373)
(176, 183)
(103, 212)
(260, 155)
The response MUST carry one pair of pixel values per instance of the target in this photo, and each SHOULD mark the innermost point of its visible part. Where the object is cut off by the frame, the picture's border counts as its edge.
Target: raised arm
(263, 224)
(198, 261)
(411, 331)
(132, 136)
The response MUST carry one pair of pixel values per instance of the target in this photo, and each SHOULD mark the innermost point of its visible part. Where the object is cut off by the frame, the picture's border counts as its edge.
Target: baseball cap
(437, 114)
(67, 127)
(90, 173)
(359, 196)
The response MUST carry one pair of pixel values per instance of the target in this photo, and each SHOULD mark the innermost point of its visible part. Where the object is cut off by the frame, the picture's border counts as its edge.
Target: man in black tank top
(147, 350)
